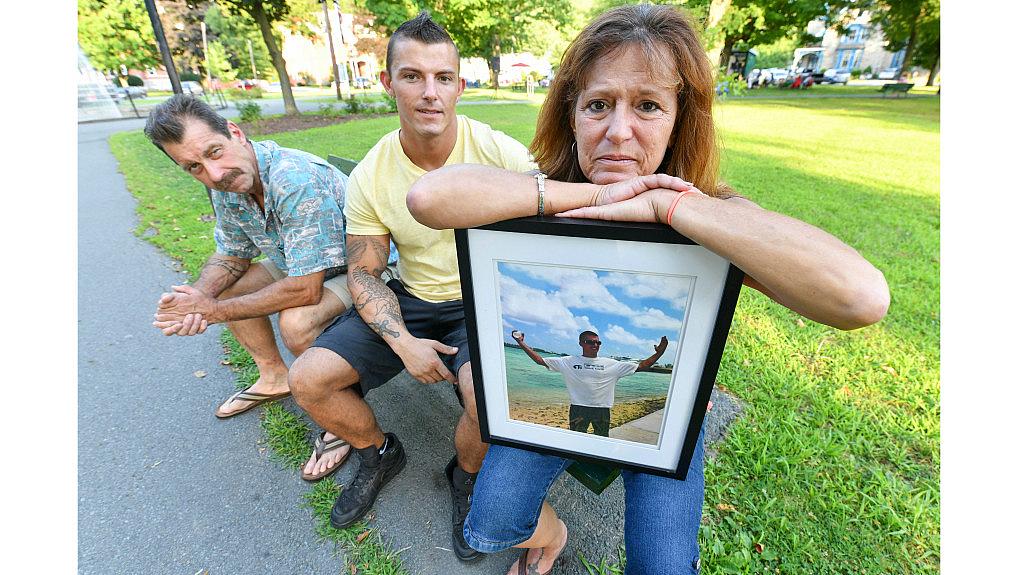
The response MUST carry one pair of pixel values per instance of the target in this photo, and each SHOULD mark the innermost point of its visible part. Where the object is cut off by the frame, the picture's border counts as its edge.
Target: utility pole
(205, 48)
(164, 49)
(250, 51)
(332, 49)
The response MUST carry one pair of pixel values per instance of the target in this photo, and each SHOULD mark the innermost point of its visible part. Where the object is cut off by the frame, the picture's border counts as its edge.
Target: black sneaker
(374, 472)
(461, 486)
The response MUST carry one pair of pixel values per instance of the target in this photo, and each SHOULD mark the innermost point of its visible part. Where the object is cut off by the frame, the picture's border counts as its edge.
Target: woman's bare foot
(541, 560)
(330, 459)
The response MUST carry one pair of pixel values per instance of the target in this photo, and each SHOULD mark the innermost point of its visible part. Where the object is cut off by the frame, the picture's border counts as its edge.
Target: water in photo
(590, 350)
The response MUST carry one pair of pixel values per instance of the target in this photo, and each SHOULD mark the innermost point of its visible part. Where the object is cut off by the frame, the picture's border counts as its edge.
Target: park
(840, 430)
(827, 459)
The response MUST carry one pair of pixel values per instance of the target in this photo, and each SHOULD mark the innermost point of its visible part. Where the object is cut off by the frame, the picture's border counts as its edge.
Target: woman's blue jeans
(662, 515)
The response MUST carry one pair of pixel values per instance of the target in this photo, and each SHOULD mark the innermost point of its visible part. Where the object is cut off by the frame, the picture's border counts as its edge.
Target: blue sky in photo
(629, 311)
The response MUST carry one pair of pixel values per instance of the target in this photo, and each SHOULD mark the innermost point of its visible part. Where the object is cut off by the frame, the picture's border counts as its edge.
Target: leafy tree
(754, 22)
(776, 54)
(234, 31)
(485, 28)
(219, 63)
(182, 26)
(265, 13)
(115, 33)
(910, 24)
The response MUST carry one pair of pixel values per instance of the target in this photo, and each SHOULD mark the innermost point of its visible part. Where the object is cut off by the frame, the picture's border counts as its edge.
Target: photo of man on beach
(590, 379)
(617, 386)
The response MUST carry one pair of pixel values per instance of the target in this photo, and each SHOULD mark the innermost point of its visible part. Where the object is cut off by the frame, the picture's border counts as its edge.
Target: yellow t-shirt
(376, 204)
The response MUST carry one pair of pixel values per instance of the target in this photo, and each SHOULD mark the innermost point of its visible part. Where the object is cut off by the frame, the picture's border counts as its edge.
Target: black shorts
(581, 417)
(374, 360)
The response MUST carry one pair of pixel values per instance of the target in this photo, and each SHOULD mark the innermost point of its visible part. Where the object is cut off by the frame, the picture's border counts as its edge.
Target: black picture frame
(556, 243)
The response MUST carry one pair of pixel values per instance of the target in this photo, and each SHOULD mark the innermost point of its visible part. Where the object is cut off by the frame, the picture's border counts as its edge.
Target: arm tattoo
(355, 248)
(386, 319)
(233, 268)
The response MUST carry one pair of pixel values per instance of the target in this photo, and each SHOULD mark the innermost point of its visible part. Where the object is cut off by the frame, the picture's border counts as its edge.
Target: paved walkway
(165, 487)
(645, 429)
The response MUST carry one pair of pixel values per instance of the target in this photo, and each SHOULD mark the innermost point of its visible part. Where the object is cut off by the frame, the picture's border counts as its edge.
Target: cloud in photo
(674, 290)
(618, 335)
(653, 318)
(577, 288)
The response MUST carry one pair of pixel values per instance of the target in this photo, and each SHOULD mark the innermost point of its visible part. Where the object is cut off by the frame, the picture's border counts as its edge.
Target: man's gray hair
(165, 124)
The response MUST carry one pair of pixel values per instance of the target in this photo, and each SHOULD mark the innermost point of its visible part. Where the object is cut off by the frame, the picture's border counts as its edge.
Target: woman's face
(624, 117)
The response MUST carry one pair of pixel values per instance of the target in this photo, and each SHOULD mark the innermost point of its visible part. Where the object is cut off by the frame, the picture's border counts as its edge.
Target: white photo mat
(708, 272)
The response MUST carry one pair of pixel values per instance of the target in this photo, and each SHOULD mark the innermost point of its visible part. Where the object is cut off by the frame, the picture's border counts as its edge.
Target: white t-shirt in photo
(591, 380)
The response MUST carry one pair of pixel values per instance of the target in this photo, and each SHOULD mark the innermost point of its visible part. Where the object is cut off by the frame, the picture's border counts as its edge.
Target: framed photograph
(596, 341)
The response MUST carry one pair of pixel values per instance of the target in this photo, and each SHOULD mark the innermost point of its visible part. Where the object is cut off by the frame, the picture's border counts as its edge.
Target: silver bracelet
(540, 177)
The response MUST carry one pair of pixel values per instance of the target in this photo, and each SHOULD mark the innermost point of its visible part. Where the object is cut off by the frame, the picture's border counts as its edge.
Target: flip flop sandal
(321, 448)
(255, 398)
(525, 569)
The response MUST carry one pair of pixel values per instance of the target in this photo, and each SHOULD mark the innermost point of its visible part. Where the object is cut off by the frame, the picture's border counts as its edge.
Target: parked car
(836, 76)
(363, 82)
(192, 87)
(544, 82)
(774, 76)
(889, 74)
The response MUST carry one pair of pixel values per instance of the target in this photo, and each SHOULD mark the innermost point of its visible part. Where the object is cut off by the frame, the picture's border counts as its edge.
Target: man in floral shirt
(278, 202)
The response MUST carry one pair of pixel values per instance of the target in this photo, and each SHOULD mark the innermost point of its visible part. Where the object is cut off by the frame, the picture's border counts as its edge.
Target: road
(165, 487)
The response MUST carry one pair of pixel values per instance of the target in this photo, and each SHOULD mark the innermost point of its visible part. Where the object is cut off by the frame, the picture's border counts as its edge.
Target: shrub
(354, 106)
(327, 110)
(867, 70)
(254, 93)
(855, 73)
(190, 77)
(731, 85)
(390, 104)
(133, 80)
(249, 111)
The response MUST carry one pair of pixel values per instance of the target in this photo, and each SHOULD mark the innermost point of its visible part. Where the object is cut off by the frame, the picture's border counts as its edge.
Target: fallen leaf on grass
(844, 389)
(725, 507)
(200, 373)
(363, 536)
(353, 569)
(206, 218)
(889, 370)
(225, 362)
(800, 323)
(758, 547)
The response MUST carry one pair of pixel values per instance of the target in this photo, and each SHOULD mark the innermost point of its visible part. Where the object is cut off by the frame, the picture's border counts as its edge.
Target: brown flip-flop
(255, 398)
(525, 570)
(322, 447)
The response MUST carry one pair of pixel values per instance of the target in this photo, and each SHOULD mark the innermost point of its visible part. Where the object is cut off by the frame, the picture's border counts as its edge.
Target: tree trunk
(910, 48)
(934, 69)
(258, 13)
(726, 53)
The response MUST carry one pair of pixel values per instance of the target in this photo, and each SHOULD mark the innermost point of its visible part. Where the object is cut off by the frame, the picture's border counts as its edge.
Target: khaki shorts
(336, 285)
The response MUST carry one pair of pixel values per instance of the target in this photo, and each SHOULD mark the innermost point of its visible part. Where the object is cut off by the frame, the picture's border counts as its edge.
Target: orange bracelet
(675, 202)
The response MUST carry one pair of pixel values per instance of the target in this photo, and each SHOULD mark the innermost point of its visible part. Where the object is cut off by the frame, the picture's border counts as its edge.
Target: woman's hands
(627, 189)
(648, 206)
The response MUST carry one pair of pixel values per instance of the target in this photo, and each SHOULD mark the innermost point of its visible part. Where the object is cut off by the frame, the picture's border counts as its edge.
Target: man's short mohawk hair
(422, 29)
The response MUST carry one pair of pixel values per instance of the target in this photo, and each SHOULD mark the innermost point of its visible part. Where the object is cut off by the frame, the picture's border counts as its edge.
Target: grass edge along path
(834, 468)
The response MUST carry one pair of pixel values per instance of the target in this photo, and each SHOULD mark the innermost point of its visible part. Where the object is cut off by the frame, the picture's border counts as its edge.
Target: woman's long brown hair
(666, 35)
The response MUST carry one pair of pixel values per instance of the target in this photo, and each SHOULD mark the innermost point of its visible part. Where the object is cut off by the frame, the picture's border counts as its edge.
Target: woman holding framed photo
(626, 133)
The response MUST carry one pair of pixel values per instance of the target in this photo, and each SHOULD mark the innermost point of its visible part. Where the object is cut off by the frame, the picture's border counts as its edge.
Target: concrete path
(645, 429)
(165, 487)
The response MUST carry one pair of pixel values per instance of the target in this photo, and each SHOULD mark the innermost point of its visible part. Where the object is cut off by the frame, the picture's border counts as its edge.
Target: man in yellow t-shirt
(415, 321)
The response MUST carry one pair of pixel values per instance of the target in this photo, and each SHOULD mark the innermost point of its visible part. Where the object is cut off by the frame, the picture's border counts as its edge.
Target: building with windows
(861, 46)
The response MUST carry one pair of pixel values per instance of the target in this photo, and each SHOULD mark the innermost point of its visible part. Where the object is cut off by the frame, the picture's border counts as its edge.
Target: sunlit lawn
(834, 467)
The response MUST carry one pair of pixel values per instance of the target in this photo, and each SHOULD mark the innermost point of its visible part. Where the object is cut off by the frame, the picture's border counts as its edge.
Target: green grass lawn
(834, 467)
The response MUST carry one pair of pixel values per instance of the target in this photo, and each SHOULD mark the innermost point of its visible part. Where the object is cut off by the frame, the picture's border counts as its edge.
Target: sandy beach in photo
(558, 415)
